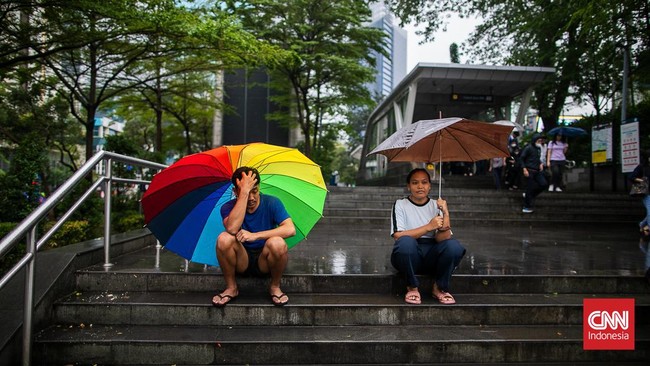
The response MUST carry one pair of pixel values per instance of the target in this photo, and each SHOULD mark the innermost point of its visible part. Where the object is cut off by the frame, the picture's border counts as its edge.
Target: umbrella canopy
(182, 204)
(516, 125)
(446, 139)
(568, 131)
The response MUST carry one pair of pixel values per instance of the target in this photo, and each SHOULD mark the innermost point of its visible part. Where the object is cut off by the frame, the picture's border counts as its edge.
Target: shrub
(127, 221)
(71, 232)
(14, 254)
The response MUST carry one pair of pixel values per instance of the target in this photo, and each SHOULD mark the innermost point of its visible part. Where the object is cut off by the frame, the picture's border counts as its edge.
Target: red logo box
(608, 324)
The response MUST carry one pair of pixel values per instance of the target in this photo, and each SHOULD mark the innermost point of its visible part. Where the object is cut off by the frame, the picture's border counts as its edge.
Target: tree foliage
(583, 40)
(99, 50)
(331, 56)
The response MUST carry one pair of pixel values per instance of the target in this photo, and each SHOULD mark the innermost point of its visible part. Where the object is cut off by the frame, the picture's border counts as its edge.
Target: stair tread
(316, 334)
(164, 298)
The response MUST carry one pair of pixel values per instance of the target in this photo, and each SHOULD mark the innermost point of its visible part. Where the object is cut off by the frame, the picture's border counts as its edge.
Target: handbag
(639, 189)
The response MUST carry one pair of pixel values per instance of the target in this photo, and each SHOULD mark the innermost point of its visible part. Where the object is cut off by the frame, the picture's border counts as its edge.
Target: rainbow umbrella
(182, 204)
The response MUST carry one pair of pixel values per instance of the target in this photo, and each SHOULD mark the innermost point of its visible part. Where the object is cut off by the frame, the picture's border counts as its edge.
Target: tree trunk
(91, 103)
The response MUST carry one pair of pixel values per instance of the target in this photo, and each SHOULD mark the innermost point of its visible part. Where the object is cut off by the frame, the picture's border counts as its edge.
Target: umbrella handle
(440, 172)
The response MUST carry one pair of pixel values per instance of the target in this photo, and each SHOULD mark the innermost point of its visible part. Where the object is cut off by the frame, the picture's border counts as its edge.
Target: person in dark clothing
(533, 171)
(643, 170)
(513, 169)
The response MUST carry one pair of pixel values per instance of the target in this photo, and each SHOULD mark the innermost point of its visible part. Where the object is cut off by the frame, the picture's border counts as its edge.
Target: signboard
(601, 144)
(629, 146)
(482, 98)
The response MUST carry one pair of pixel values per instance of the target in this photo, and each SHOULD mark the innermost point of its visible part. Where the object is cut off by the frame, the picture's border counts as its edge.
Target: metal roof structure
(434, 90)
(478, 87)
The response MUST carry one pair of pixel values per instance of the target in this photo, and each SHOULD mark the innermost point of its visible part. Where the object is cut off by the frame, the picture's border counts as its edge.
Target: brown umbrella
(446, 139)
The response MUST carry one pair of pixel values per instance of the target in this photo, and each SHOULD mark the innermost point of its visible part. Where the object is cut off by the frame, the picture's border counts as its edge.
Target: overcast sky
(458, 31)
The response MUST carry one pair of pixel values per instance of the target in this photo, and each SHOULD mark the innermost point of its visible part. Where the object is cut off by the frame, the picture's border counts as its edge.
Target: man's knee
(276, 246)
(225, 241)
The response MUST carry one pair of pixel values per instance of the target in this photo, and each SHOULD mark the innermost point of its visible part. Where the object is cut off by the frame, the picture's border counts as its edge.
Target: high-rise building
(390, 70)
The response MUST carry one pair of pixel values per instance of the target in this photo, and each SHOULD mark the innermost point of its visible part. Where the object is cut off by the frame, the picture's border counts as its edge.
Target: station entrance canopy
(429, 91)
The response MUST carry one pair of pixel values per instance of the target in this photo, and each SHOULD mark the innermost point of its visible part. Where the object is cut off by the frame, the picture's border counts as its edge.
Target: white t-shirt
(407, 215)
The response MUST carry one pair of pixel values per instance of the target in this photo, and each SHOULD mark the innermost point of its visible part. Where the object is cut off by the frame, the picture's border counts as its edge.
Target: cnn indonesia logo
(608, 324)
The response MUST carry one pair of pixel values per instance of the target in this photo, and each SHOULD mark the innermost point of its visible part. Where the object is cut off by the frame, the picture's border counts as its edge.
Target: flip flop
(220, 304)
(445, 298)
(413, 297)
(276, 299)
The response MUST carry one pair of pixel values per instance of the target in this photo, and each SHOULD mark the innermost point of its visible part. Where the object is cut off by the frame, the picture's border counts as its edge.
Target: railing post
(28, 308)
(158, 247)
(108, 173)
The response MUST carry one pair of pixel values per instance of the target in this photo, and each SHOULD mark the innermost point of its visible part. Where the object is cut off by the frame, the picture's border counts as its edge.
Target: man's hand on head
(246, 183)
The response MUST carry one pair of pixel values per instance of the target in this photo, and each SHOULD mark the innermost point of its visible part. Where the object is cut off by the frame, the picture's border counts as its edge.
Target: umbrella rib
(306, 205)
(449, 132)
(279, 152)
(450, 129)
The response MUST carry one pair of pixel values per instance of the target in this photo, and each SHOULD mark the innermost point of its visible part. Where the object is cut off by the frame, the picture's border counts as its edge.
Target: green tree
(21, 188)
(129, 44)
(28, 34)
(574, 37)
(331, 56)
(178, 84)
(454, 53)
(30, 115)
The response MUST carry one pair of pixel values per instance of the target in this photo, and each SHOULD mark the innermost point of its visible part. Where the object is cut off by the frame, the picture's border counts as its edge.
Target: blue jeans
(497, 173)
(535, 185)
(426, 256)
(646, 204)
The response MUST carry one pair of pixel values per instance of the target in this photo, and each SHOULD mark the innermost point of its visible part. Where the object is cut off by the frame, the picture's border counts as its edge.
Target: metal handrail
(27, 228)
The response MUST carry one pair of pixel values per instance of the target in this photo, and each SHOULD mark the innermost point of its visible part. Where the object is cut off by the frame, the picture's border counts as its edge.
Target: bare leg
(232, 259)
(273, 260)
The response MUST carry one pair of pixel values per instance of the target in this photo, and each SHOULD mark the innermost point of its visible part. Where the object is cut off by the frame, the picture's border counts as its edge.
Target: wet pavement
(490, 251)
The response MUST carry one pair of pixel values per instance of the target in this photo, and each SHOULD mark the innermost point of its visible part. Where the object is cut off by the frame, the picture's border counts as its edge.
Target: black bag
(639, 189)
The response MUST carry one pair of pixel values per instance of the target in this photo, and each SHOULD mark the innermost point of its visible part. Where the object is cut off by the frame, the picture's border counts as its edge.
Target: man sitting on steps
(253, 243)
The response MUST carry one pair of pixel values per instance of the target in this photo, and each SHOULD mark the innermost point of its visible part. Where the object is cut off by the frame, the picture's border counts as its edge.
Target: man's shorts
(253, 262)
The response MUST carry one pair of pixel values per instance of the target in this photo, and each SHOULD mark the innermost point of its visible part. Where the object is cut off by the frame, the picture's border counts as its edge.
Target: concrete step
(383, 284)
(537, 220)
(574, 203)
(500, 211)
(516, 198)
(423, 344)
(328, 309)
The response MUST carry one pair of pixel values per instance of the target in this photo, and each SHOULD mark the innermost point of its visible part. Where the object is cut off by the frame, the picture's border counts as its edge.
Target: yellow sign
(599, 157)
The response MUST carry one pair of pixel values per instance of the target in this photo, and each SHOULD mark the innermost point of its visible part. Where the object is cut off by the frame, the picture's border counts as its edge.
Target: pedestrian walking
(556, 160)
(496, 167)
(533, 170)
(513, 168)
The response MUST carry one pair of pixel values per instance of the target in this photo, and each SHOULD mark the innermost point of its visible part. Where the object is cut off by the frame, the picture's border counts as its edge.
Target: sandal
(221, 297)
(445, 298)
(277, 299)
(413, 297)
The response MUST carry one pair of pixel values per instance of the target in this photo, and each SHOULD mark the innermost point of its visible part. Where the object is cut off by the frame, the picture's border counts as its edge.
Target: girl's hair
(410, 175)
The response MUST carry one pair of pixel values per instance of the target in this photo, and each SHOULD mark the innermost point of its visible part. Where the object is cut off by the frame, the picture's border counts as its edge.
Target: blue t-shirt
(269, 214)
